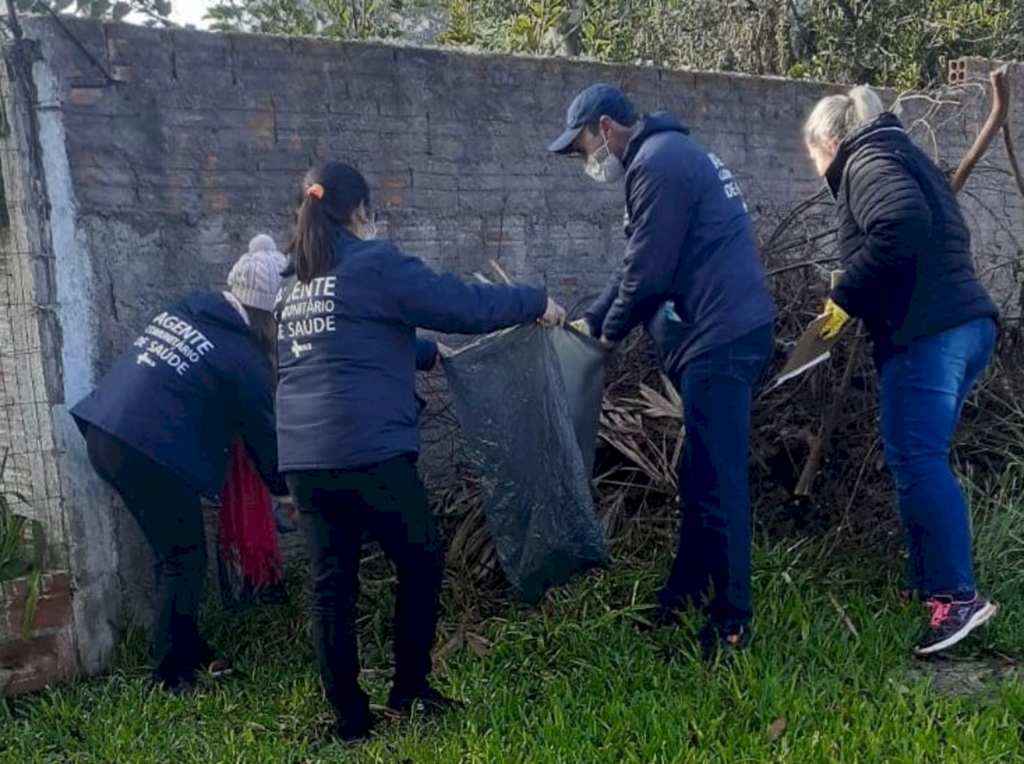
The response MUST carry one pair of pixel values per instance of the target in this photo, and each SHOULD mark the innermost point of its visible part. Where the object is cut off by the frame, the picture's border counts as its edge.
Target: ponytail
(330, 194)
(864, 106)
(312, 243)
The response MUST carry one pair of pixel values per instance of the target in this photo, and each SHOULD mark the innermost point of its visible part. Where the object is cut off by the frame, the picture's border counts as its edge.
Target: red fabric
(249, 546)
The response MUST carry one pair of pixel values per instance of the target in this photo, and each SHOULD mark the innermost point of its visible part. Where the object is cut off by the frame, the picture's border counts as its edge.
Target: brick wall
(157, 154)
(46, 654)
(202, 140)
(198, 141)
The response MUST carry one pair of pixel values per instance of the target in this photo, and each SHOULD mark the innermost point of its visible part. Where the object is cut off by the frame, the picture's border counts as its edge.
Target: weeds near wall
(22, 547)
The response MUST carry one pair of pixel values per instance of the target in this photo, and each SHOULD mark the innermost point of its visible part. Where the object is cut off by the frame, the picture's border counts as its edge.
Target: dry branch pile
(851, 494)
(828, 417)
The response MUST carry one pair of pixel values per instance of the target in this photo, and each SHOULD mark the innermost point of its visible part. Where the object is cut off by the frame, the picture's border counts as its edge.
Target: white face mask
(369, 231)
(367, 228)
(607, 169)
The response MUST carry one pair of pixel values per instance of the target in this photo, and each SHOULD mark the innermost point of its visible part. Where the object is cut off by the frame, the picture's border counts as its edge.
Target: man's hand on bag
(607, 343)
(836, 319)
(553, 316)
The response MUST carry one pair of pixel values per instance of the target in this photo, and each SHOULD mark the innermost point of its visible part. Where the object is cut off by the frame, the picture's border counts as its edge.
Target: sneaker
(424, 702)
(714, 639)
(951, 621)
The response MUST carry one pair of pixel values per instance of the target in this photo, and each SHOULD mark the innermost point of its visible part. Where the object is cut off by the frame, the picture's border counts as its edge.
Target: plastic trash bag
(250, 564)
(582, 361)
(528, 400)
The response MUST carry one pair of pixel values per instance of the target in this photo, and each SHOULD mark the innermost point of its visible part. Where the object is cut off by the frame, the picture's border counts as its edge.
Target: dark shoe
(423, 702)
(714, 639)
(177, 685)
(353, 730)
(668, 608)
(658, 617)
(951, 621)
(217, 668)
(206, 661)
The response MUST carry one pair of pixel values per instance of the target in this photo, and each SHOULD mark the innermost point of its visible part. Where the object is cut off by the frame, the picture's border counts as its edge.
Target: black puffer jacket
(905, 247)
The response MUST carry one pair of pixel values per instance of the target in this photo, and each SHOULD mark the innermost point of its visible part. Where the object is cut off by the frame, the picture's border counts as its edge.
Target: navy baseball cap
(589, 106)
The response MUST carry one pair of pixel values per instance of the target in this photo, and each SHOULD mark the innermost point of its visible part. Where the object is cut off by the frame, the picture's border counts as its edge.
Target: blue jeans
(923, 393)
(717, 389)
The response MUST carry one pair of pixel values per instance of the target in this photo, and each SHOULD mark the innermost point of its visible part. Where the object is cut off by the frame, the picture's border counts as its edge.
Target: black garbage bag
(582, 359)
(528, 400)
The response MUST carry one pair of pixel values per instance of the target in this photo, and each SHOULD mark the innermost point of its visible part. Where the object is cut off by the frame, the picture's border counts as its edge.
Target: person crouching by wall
(158, 427)
(347, 418)
(909, 274)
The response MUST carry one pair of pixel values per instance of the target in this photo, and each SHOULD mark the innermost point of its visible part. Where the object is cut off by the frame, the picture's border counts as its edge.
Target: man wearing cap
(692, 275)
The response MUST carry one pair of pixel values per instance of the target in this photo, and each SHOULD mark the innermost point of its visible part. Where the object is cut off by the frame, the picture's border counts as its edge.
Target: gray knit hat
(256, 278)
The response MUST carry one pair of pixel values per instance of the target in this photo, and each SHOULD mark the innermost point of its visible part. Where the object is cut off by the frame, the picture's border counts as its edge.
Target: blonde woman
(909, 275)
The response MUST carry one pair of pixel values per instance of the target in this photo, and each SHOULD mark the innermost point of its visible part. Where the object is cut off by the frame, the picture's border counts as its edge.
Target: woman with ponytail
(909, 274)
(347, 415)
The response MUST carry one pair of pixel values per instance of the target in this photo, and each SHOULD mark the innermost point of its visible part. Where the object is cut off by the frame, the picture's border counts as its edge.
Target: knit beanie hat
(256, 278)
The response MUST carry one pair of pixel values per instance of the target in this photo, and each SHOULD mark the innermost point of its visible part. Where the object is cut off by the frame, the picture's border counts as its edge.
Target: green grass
(577, 683)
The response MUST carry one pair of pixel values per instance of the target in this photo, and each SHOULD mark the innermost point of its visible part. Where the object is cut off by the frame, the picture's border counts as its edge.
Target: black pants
(170, 516)
(335, 507)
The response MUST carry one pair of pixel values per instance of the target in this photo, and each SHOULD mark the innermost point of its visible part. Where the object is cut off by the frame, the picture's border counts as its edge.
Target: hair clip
(315, 191)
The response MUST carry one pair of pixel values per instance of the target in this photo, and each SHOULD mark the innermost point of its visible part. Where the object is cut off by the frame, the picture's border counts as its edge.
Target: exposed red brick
(52, 612)
(124, 73)
(391, 199)
(53, 609)
(57, 584)
(84, 96)
(262, 124)
(30, 665)
(19, 653)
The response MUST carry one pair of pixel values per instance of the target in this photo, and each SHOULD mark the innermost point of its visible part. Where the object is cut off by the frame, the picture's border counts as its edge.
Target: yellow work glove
(836, 319)
(581, 325)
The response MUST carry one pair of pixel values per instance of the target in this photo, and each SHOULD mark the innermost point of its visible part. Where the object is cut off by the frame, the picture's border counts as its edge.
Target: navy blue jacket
(691, 244)
(348, 351)
(904, 244)
(193, 379)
